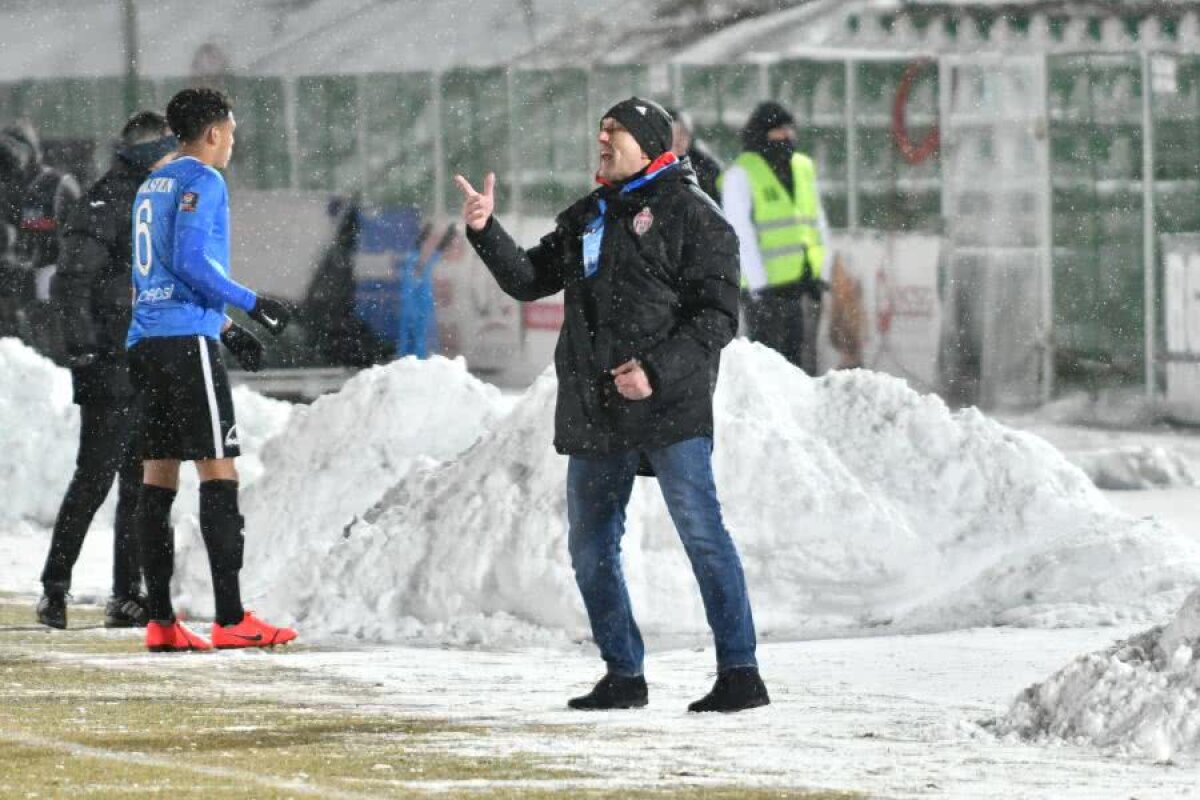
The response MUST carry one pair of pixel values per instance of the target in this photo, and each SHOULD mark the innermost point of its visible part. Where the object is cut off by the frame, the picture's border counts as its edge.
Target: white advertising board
(883, 311)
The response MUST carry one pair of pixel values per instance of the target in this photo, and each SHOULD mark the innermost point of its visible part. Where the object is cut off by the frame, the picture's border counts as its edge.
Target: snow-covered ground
(882, 535)
(894, 716)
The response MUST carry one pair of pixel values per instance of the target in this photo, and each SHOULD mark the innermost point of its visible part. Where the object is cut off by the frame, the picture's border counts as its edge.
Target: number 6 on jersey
(142, 252)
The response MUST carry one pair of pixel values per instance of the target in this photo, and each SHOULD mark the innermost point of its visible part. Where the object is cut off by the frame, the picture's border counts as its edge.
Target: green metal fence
(402, 137)
(1097, 133)
(1096, 177)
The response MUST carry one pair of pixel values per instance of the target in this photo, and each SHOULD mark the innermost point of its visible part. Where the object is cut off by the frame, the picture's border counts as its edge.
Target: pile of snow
(1141, 696)
(1138, 467)
(39, 430)
(465, 551)
(332, 461)
(855, 502)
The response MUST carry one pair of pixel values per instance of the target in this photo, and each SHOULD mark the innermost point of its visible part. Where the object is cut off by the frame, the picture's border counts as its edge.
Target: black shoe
(613, 691)
(52, 610)
(126, 612)
(736, 689)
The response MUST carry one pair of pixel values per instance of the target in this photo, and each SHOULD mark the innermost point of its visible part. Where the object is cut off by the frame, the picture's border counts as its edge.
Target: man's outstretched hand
(477, 206)
(272, 314)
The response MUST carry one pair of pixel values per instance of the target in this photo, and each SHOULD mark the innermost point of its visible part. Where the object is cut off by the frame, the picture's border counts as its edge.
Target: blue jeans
(598, 490)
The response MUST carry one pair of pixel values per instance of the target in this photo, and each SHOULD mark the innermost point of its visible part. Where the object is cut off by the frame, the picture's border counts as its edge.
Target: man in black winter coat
(91, 294)
(649, 269)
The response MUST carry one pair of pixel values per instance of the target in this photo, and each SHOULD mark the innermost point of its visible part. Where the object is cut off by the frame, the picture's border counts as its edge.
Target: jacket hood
(766, 116)
(19, 143)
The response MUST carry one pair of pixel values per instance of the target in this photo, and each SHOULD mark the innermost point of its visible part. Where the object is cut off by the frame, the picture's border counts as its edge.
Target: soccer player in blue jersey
(181, 285)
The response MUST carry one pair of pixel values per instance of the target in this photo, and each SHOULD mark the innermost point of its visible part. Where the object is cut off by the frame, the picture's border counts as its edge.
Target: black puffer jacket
(93, 283)
(666, 295)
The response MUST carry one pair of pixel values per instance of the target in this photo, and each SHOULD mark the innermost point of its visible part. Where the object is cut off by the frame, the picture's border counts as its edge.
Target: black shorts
(187, 405)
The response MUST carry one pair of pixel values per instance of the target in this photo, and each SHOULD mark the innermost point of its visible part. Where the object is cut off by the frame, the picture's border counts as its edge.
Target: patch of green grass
(30, 770)
(105, 709)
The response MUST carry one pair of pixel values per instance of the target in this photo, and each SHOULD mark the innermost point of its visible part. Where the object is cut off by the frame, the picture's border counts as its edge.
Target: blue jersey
(181, 277)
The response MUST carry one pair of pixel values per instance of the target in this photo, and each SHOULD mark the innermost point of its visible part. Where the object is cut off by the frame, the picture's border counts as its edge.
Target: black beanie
(646, 120)
(766, 116)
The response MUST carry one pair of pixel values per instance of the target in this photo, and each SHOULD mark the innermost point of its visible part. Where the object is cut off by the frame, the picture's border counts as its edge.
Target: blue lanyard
(593, 234)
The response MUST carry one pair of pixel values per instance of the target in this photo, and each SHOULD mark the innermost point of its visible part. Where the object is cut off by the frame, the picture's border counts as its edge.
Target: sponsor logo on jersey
(156, 294)
(189, 201)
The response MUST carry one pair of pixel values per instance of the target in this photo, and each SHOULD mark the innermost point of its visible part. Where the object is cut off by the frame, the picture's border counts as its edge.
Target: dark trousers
(786, 319)
(104, 449)
(598, 490)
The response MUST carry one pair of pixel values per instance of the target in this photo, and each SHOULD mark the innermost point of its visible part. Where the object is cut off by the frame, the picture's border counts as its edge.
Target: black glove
(245, 346)
(271, 314)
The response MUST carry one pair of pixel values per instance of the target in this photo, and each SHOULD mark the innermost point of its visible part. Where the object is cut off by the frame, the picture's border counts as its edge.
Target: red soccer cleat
(250, 632)
(173, 637)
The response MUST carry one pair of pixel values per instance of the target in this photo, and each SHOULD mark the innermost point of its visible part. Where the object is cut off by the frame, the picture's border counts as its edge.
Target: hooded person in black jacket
(91, 295)
(35, 199)
(649, 270)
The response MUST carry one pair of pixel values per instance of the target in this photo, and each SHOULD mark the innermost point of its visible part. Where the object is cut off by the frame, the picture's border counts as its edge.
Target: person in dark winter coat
(649, 270)
(35, 200)
(708, 167)
(91, 295)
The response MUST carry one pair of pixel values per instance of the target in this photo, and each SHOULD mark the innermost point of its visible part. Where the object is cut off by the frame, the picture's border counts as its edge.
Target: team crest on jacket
(643, 221)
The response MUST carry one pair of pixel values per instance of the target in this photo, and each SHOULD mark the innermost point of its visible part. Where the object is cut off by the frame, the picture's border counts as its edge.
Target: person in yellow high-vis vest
(771, 198)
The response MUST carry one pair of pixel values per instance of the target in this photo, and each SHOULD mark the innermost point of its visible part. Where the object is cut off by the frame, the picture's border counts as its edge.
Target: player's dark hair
(144, 126)
(191, 111)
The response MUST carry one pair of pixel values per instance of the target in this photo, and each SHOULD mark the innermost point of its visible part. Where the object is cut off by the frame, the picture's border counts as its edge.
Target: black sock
(157, 542)
(221, 525)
